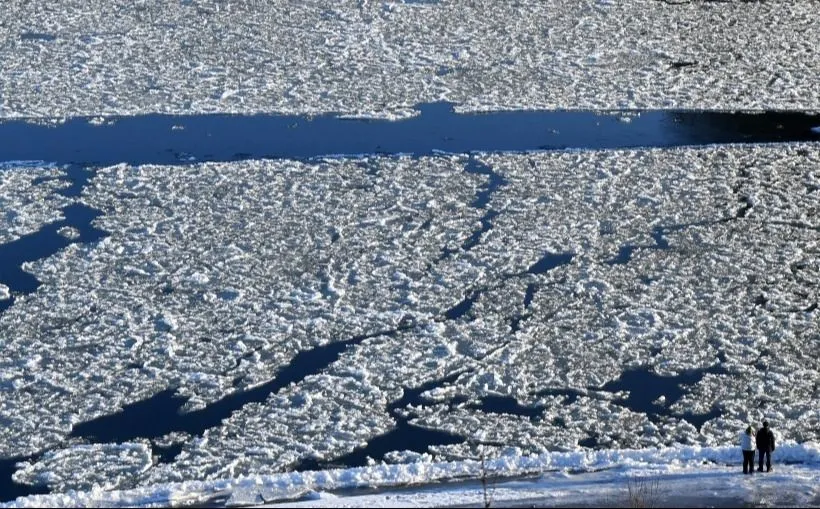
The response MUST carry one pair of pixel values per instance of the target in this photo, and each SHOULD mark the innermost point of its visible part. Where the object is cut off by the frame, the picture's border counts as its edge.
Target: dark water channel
(80, 145)
(176, 139)
(161, 413)
(644, 388)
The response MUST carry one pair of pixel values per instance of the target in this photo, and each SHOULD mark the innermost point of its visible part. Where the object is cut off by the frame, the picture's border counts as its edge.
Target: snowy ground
(705, 486)
(382, 57)
(686, 476)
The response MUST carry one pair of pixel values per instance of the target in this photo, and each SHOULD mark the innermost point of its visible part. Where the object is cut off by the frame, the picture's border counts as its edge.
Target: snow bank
(246, 490)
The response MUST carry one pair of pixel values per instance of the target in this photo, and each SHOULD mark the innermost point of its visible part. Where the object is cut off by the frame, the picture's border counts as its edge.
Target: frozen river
(251, 238)
(223, 292)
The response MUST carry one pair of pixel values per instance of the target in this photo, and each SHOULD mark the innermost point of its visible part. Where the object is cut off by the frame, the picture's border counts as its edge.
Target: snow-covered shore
(690, 486)
(699, 465)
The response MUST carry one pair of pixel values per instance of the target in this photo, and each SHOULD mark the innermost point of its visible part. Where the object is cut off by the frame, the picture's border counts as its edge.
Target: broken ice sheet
(645, 312)
(322, 252)
(28, 198)
(83, 467)
(306, 254)
(380, 59)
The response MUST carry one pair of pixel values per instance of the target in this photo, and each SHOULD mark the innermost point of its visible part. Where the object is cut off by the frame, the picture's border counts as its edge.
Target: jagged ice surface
(215, 276)
(28, 199)
(381, 58)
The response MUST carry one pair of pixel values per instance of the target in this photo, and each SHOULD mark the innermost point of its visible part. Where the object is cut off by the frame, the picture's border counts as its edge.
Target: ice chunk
(100, 466)
(28, 199)
(69, 232)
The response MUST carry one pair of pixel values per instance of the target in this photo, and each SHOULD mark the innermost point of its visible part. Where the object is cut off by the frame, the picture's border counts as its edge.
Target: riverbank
(679, 476)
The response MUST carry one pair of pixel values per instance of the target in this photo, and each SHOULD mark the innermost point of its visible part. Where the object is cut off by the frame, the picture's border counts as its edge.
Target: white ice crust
(216, 275)
(69, 232)
(381, 58)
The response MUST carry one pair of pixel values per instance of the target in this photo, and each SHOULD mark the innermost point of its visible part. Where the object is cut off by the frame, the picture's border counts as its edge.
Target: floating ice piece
(407, 457)
(69, 232)
(105, 466)
(5, 293)
(101, 121)
(32, 164)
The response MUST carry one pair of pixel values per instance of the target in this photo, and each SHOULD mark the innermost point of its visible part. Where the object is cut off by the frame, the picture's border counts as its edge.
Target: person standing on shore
(747, 444)
(765, 446)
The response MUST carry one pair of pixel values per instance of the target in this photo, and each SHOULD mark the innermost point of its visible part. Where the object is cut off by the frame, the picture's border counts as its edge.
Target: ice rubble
(215, 276)
(107, 466)
(28, 199)
(289, 486)
(380, 58)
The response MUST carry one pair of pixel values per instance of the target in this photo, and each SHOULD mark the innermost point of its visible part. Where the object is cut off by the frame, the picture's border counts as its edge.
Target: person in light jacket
(747, 444)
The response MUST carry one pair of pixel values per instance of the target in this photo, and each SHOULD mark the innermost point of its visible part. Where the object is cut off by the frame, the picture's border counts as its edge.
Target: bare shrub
(487, 483)
(643, 492)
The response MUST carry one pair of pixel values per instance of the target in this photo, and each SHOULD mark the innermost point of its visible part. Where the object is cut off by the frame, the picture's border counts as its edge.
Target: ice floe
(69, 232)
(379, 59)
(697, 264)
(28, 199)
(104, 466)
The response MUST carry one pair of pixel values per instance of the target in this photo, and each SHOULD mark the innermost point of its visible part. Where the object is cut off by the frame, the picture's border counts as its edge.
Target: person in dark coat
(765, 446)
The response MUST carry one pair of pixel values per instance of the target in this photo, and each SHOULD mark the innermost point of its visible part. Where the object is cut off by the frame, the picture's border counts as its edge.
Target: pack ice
(67, 58)
(28, 197)
(696, 261)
